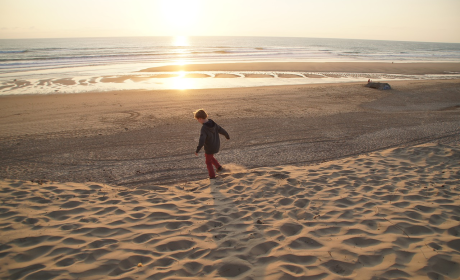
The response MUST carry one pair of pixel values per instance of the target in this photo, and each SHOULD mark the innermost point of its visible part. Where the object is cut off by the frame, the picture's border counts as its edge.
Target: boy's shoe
(220, 169)
(213, 178)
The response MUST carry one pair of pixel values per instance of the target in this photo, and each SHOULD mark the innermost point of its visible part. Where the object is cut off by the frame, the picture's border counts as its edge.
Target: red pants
(210, 161)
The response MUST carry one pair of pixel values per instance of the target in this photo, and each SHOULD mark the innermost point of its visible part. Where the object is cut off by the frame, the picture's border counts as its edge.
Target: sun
(180, 15)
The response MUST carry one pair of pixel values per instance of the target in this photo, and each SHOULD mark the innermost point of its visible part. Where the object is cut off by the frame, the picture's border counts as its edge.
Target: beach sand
(325, 181)
(392, 214)
(145, 138)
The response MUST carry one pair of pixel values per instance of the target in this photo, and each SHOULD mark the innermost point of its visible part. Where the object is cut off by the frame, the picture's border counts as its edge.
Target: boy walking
(209, 138)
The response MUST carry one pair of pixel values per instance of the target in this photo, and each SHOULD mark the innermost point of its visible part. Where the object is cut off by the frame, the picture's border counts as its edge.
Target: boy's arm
(201, 142)
(223, 132)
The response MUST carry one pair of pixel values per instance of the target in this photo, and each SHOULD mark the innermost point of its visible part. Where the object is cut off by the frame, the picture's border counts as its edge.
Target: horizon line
(172, 36)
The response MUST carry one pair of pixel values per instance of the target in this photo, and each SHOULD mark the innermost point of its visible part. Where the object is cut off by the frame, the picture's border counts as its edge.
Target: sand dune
(386, 215)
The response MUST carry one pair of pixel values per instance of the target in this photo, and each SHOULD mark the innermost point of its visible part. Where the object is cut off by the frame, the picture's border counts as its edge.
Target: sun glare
(181, 75)
(181, 41)
(181, 62)
(180, 15)
(182, 83)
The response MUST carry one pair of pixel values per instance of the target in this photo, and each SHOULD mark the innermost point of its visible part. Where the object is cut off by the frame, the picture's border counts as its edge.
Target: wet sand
(346, 67)
(213, 76)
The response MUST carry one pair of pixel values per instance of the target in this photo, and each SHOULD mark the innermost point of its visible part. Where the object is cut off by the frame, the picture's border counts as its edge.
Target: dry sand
(331, 181)
(393, 214)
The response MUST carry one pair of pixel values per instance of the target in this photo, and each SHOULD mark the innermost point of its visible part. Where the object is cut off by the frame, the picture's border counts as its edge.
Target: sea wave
(7, 52)
(38, 54)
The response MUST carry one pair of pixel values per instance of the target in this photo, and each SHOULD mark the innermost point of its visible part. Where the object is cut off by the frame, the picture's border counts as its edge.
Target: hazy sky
(402, 20)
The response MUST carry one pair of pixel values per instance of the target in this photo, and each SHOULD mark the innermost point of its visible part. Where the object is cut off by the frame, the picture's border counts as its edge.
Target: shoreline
(232, 75)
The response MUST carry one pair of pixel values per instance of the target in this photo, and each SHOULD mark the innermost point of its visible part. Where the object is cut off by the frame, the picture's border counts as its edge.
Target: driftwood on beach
(381, 86)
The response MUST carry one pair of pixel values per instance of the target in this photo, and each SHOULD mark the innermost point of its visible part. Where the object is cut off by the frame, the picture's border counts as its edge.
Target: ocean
(33, 60)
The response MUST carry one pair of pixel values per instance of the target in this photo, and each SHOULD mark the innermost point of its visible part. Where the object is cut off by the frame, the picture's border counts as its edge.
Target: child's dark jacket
(209, 137)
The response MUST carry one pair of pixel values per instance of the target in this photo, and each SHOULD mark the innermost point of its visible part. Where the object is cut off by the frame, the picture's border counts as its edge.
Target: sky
(399, 20)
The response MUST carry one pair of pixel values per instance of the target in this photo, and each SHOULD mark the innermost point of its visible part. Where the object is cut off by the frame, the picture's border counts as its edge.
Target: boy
(209, 138)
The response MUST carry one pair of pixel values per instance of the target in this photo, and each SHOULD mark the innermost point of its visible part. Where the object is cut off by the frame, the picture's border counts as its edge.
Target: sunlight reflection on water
(180, 82)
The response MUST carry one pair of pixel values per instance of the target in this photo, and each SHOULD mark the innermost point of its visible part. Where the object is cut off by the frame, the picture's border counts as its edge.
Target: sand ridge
(348, 67)
(389, 214)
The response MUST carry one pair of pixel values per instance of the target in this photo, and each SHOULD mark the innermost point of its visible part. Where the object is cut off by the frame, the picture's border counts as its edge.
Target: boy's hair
(200, 114)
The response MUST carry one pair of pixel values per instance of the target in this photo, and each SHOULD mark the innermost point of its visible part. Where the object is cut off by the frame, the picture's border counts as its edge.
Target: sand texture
(392, 214)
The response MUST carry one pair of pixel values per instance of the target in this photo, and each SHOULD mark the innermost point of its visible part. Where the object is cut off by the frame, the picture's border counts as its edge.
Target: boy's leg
(209, 163)
(215, 162)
